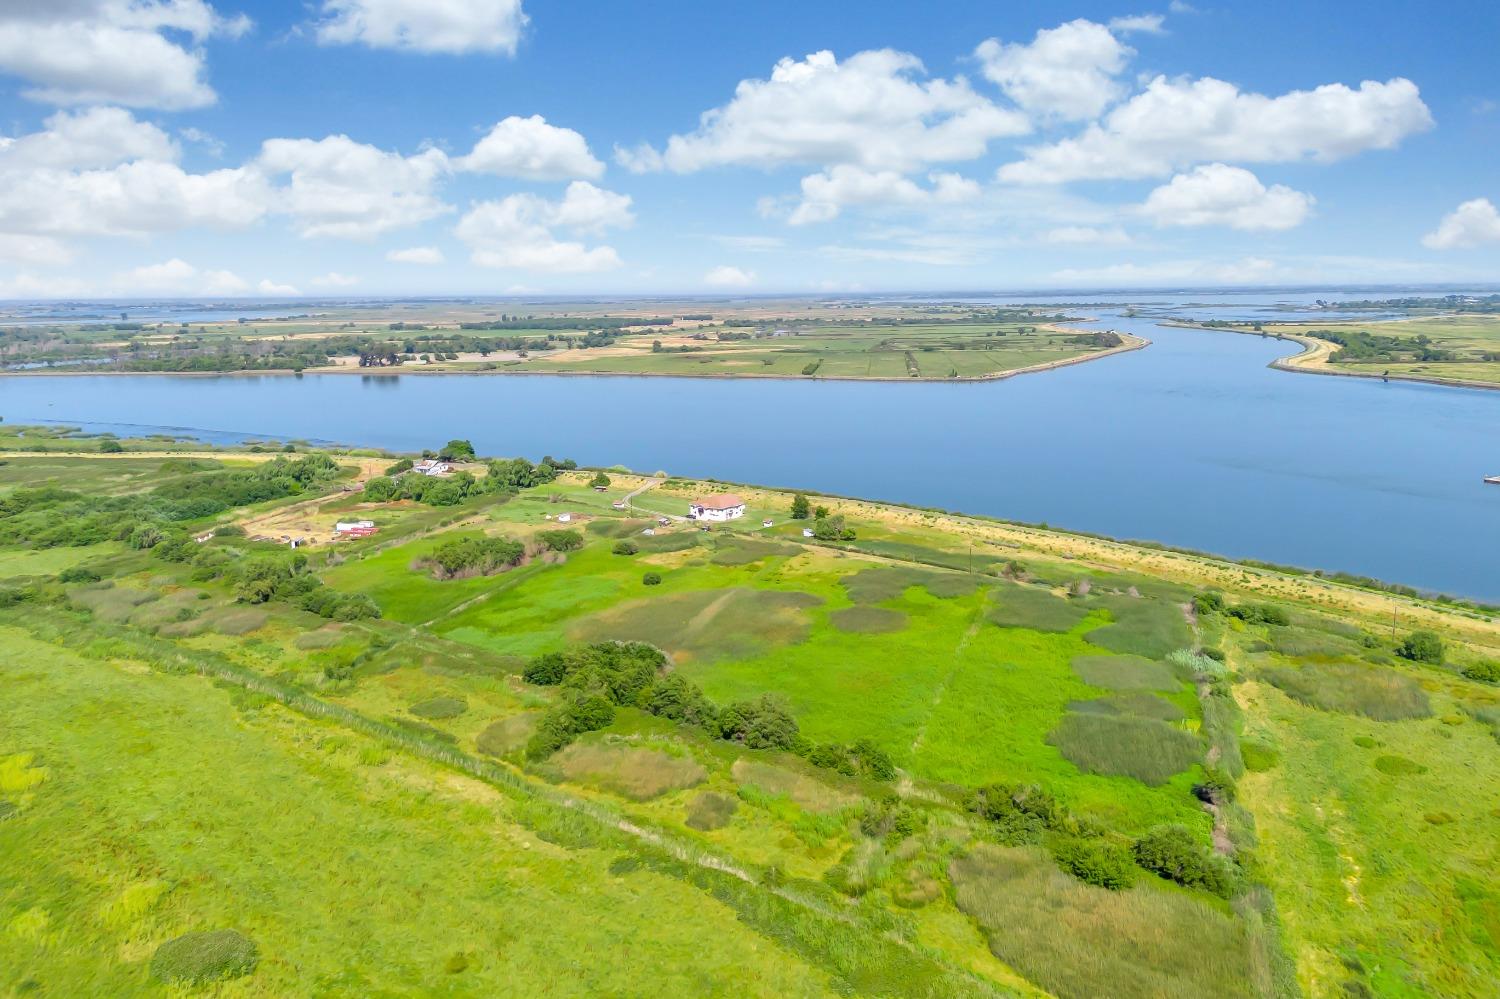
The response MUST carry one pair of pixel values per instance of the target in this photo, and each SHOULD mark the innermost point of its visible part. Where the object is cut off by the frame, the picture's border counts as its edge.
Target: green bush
(482, 555)
(651, 579)
(1260, 614)
(1421, 647)
(1020, 813)
(1096, 862)
(1485, 672)
(626, 548)
(198, 958)
(78, 574)
(561, 541)
(1172, 852)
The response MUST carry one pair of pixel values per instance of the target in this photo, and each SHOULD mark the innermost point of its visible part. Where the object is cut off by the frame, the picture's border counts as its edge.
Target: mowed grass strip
(1150, 628)
(1032, 607)
(1081, 942)
(631, 772)
(1151, 751)
(1124, 673)
(1374, 692)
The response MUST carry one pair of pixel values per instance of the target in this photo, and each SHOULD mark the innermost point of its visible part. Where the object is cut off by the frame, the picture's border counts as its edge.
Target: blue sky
(385, 147)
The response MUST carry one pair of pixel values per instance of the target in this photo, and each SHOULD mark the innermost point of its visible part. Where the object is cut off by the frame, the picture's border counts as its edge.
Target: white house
(564, 518)
(724, 506)
(432, 466)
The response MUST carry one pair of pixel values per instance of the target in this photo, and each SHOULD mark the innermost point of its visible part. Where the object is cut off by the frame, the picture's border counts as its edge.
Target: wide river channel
(1193, 442)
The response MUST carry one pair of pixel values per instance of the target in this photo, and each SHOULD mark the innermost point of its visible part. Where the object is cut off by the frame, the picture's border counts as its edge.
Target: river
(1193, 442)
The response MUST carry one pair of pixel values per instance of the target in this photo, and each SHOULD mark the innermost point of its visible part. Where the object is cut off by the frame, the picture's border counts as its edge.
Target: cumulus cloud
(531, 149)
(824, 195)
(270, 288)
(1245, 271)
(1217, 194)
(725, 276)
(333, 279)
(1471, 224)
(338, 187)
(1176, 123)
(95, 137)
(36, 251)
(874, 110)
(177, 276)
(112, 51)
(1066, 73)
(1085, 235)
(27, 285)
(518, 232)
(1146, 24)
(428, 255)
(452, 27)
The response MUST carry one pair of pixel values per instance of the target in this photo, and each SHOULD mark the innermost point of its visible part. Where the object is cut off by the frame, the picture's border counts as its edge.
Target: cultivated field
(913, 755)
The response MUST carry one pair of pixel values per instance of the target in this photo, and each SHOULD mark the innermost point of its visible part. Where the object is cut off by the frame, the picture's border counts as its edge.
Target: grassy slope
(954, 696)
(164, 811)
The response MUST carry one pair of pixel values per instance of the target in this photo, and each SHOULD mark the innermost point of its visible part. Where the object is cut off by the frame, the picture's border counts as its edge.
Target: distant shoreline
(1314, 358)
(1130, 342)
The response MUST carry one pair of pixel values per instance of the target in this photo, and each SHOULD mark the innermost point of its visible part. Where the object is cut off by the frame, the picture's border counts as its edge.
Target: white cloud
(516, 232)
(825, 194)
(1084, 235)
(37, 251)
(95, 137)
(272, 289)
(1067, 72)
(871, 111)
(211, 143)
(333, 279)
(1146, 24)
(1248, 270)
(1216, 194)
(754, 244)
(428, 255)
(431, 26)
(725, 276)
(531, 149)
(178, 277)
(26, 285)
(1470, 224)
(1177, 123)
(339, 187)
(112, 51)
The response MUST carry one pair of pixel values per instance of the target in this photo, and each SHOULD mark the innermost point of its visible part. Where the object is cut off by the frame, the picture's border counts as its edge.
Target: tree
(1421, 647)
(801, 508)
(457, 450)
(599, 481)
(107, 446)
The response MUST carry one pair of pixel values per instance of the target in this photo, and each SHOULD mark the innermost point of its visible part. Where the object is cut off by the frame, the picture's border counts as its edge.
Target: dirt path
(1222, 842)
(942, 689)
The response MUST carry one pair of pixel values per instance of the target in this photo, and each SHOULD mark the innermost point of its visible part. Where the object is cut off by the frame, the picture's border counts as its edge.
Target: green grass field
(1472, 341)
(175, 760)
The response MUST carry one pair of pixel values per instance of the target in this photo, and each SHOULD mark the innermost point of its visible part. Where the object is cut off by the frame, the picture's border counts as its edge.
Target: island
(792, 338)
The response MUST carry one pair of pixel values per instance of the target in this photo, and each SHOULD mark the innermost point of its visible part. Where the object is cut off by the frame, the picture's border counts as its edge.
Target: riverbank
(1316, 358)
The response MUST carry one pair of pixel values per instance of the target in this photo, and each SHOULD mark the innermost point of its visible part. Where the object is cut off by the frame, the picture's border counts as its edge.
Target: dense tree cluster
(474, 557)
(262, 577)
(504, 476)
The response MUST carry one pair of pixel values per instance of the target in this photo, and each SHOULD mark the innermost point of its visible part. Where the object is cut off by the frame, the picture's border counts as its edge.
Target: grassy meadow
(1460, 348)
(974, 732)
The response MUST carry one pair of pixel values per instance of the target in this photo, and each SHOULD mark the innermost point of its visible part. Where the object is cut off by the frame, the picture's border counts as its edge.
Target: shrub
(439, 708)
(764, 723)
(599, 479)
(561, 541)
(1485, 672)
(1421, 647)
(404, 465)
(626, 548)
(1172, 852)
(1096, 862)
(1020, 813)
(576, 714)
(1260, 614)
(1216, 787)
(1211, 602)
(197, 958)
(482, 555)
(78, 574)
(651, 579)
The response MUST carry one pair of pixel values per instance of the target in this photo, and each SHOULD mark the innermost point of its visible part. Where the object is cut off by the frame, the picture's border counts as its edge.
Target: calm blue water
(1193, 442)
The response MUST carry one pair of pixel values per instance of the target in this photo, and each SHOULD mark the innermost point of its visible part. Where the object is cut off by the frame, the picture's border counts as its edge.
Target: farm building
(432, 466)
(564, 518)
(355, 528)
(725, 506)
